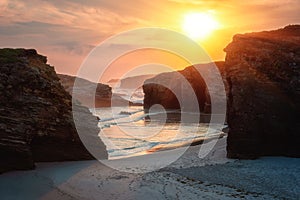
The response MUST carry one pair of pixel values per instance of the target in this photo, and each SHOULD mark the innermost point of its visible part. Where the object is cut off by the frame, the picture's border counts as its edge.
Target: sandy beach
(213, 177)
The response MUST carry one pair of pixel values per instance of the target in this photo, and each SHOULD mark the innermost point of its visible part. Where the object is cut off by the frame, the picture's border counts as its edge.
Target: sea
(130, 131)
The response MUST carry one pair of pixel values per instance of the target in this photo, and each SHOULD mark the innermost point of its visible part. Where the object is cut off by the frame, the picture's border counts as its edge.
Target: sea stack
(263, 75)
(160, 89)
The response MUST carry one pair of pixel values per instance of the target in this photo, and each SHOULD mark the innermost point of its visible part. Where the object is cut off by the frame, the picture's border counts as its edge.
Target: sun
(199, 25)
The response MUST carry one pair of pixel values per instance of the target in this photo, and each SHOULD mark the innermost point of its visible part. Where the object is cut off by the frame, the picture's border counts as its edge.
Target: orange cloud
(66, 31)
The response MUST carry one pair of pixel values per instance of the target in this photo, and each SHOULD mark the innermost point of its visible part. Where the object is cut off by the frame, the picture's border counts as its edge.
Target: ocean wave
(171, 135)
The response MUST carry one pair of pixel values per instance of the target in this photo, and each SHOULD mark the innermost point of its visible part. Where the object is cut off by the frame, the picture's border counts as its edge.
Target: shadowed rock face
(161, 89)
(36, 122)
(263, 74)
(67, 81)
(92, 94)
(87, 90)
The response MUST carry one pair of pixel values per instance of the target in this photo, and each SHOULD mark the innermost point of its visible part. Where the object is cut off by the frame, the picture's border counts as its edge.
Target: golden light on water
(199, 25)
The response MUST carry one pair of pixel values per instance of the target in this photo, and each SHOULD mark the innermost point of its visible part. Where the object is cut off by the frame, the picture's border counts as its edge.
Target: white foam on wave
(132, 95)
(121, 144)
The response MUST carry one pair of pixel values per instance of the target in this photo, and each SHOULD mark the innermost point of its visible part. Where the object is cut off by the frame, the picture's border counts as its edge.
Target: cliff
(263, 74)
(134, 82)
(84, 92)
(160, 89)
(36, 122)
(67, 81)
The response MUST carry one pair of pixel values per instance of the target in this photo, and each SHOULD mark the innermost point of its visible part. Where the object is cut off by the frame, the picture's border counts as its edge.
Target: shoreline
(136, 118)
(190, 177)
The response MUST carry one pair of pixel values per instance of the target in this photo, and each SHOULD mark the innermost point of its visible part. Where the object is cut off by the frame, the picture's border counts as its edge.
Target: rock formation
(134, 82)
(263, 73)
(84, 93)
(84, 90)
(160, 89)
(36, 122)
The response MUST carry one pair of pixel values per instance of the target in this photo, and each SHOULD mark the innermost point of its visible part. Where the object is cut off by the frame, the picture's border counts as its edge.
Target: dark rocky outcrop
(263, 73)
(86, 91)
(160, 89)
(67, 81)
(36, 122)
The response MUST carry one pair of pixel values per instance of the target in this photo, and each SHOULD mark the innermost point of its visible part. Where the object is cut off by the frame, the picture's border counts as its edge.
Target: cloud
(73, 48)
(64, 30)
(3, 5)
(59, 24)
(248, 15)
(69, 29)
(64, 13)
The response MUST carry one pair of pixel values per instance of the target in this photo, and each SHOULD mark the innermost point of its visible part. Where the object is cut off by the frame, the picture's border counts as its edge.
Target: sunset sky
(66, 31)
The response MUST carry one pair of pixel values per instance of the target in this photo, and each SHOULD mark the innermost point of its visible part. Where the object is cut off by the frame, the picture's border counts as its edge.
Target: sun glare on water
(199, 25)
